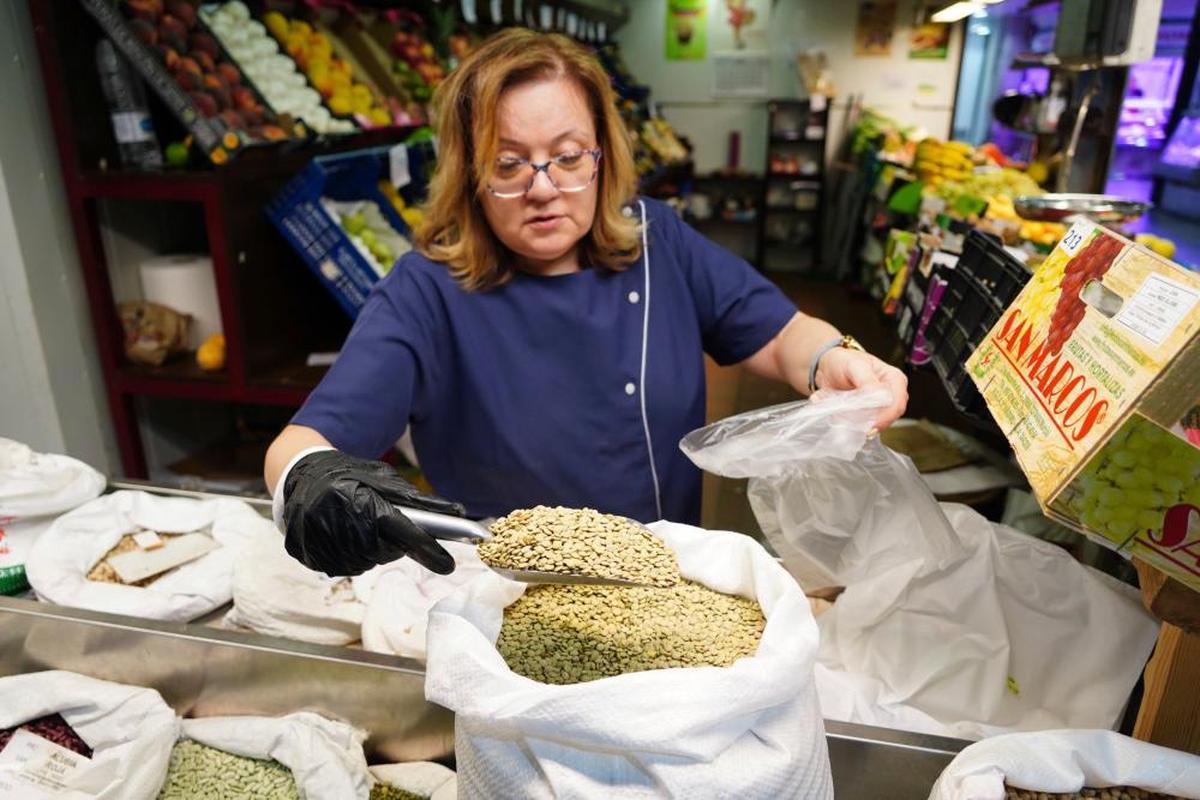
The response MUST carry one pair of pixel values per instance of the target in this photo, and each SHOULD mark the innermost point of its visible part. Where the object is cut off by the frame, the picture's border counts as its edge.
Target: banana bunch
(1156, 244)
(937, 161)
(657, 135)
(1045, 233)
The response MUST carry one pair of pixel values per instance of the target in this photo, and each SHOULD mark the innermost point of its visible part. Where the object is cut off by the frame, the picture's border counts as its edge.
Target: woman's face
(538, 121)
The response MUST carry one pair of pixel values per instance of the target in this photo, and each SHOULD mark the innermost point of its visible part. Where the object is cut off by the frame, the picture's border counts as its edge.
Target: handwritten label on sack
(33, 768)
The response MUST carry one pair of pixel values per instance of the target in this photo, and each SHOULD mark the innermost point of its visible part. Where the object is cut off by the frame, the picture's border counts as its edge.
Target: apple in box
(1093, 374)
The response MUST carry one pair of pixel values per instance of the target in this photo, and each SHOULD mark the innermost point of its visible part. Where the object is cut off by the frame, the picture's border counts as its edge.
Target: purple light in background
(1149, 97)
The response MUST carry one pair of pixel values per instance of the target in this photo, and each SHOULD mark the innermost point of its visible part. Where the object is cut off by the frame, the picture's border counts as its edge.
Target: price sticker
(398, 166)
(1075, 238)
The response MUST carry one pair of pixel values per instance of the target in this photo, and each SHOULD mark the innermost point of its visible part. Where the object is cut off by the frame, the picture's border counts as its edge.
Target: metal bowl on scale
(1102, 208)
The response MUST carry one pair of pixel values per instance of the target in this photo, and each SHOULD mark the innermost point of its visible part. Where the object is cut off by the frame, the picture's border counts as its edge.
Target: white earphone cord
(642, 378)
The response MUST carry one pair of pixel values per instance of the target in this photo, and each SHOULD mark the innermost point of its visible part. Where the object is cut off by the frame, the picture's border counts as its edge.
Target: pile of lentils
(53, 728)
(385, 791)
(199, 772)
(574, 541)
(564, 634)
(1111, 793)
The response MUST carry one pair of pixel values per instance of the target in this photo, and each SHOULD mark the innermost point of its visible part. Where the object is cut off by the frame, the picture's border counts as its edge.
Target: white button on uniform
(634, 297)
(627, 211)
(630, 388)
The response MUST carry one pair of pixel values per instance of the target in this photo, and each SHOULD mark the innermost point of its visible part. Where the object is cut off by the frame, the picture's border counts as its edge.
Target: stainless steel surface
(1058, 207)
(204, 672)
(882, 764)
(444, 526)
(536, 576)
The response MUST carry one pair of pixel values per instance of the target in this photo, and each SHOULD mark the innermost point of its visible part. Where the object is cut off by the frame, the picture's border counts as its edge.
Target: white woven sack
(59, 563)
(326, 757)
(1066, 761)
(40, 484)
(749, 730)
(130, 730)
(275, 594)
(401, 595)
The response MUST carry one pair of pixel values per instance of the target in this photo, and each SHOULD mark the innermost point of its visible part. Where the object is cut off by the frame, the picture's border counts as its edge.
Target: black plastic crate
(1001, 275)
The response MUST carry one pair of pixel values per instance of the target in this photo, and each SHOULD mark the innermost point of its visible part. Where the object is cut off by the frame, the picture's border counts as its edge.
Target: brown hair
(454, 230)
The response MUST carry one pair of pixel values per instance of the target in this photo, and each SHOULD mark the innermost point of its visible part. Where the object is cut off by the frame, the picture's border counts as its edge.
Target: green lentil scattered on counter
(385, 791)
(579, 541)
(1110, 793)
(199, 772)
(570, 634)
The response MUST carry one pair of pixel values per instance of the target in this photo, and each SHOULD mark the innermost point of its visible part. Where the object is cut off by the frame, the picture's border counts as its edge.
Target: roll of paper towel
(185, 283)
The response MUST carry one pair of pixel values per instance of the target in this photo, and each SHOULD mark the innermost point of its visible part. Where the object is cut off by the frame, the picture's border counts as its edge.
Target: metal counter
(203, 671)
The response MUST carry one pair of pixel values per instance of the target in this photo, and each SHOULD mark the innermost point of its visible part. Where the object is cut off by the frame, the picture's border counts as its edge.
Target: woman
(545, 342)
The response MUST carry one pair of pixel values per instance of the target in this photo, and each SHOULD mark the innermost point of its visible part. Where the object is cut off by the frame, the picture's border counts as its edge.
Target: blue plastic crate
(316, 236)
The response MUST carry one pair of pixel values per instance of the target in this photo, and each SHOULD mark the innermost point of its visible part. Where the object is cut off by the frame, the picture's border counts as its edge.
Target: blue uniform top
(562, 390)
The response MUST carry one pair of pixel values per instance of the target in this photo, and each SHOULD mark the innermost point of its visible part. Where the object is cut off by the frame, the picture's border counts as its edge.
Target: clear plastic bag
(832, 500)
(949, 624)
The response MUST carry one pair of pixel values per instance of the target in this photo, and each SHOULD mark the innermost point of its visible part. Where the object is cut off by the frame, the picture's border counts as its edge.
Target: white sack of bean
(34, 488)
(401, 595)
(69, 563)
(751, 729)
(129, 730)
(1067, 764)
(900, 647)
(301, 756)
(42, 484)
(275, 594)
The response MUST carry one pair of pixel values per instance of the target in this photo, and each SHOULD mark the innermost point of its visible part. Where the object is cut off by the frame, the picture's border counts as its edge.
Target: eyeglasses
(570, 172)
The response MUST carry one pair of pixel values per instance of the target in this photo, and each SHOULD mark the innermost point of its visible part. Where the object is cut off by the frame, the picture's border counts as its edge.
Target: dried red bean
(55, 729)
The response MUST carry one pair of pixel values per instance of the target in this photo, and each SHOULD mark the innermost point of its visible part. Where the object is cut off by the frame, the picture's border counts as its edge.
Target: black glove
(339, 516)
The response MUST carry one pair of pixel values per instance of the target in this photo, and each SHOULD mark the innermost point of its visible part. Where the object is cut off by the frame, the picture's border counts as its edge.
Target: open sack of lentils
(1069, 764)
(706, 659)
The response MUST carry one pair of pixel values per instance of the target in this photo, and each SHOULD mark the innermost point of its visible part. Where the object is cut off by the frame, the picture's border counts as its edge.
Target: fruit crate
(217, 126)
(317, 237)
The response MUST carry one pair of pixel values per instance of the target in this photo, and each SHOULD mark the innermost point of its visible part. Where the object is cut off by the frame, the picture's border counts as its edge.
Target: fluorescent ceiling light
(956, 11)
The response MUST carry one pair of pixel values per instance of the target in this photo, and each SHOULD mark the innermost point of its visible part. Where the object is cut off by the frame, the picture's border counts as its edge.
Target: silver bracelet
(847, 342)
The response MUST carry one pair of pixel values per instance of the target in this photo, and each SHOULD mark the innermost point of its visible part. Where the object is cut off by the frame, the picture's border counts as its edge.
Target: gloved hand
(339, 516)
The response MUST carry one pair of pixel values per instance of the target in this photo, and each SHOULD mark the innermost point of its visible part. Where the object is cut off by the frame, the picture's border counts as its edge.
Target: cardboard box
(1093, 374)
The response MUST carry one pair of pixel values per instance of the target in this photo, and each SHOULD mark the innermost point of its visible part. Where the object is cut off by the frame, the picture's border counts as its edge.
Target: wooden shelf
(814, 180)
(195, 186)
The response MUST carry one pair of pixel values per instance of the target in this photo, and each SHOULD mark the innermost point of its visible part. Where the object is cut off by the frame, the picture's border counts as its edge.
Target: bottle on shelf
(137, 142)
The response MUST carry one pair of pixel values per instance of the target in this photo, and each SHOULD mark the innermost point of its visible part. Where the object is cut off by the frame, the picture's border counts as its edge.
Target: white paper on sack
(325, 756)
(130, 730)
(1061, 761)
(752, 729)
(401, 595)
(949, 624)
(67, 551)
(42, 484)
(275, 594)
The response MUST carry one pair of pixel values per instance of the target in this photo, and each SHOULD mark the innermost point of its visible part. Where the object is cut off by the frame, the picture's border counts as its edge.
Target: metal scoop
(457, 529)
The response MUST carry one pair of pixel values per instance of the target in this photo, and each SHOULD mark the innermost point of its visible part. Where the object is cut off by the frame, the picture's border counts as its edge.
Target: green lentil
(385, 791)
(579, 541)
(199, 772)
(570, 634)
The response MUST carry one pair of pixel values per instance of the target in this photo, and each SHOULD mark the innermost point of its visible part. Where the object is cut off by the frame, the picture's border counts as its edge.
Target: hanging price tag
(398, 164)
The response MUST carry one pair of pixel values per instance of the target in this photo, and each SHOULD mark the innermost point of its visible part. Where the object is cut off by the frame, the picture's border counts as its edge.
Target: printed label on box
(1157, 308)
